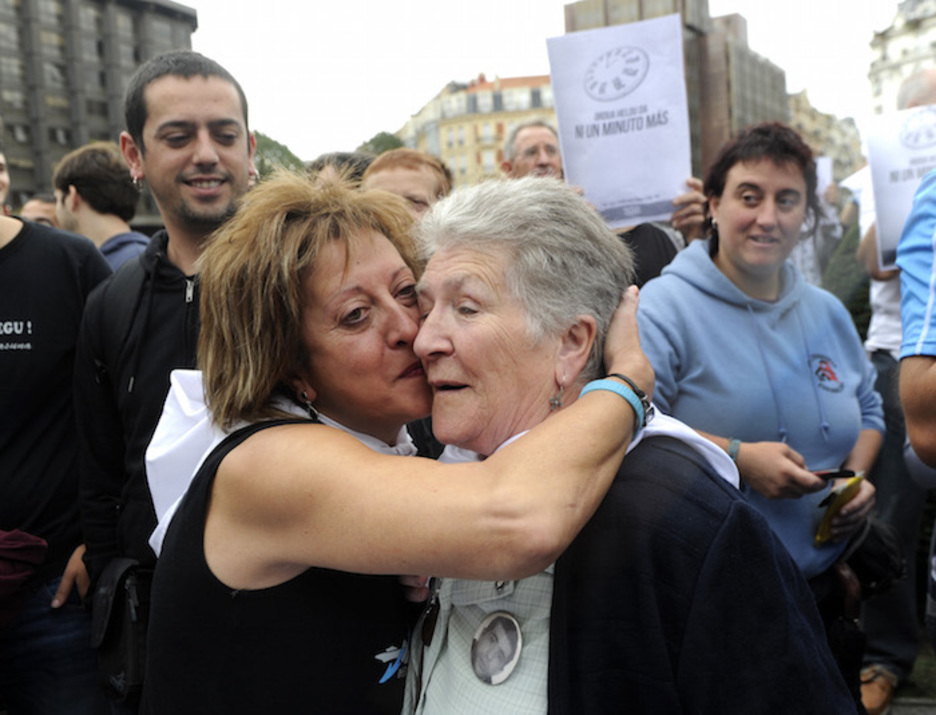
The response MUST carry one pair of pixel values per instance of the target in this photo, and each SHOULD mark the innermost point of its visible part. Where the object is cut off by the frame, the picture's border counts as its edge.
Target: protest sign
(901, 151)
(620, 99)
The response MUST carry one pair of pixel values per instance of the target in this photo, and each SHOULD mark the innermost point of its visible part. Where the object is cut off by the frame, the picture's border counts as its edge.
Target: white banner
(901, 151)
(620, 98)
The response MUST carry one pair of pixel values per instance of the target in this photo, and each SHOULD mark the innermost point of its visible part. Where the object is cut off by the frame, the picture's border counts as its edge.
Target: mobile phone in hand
(835, 474)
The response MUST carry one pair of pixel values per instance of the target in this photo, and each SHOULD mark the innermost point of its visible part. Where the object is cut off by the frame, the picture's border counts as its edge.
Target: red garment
(20, 554)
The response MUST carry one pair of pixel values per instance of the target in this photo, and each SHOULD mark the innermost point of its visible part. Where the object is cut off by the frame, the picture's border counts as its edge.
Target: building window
(536, 100)
(54, 74)
(485, 101)
(161, 31)
(461, 135)
(53, 44)
(517, 99)
(462, 165)
(508, 99)
(126, 54)
(450, 137)
(124, 24)
(56, 101)
(91, 48)
(13, 98)
(498, 102)
(96, 108)
(487, 161)
(12, 71)
(59, 135)
(9, 37)
(472, 104)
(486, 132)
(454, 105)
(51, 11)
(90, 19)
(20, 133)
(95, 78)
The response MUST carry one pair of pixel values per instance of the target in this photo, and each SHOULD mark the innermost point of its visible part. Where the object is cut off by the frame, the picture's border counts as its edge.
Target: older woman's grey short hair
(562, 260)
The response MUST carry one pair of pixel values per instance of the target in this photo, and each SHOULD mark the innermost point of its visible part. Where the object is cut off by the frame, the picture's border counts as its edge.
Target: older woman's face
(490, 380)
(359, 323)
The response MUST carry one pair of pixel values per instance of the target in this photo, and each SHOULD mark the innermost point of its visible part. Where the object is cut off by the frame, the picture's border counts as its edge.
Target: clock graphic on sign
(919, 129)
(616, 73)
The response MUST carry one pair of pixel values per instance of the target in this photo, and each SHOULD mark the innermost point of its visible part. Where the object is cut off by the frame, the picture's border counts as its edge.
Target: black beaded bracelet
(641, 395)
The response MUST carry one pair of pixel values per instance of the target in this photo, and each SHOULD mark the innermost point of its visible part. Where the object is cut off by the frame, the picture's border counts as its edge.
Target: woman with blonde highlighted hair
(259, 266)
(293, 432)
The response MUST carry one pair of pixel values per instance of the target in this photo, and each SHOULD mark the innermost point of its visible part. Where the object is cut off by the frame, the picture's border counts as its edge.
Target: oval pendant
(495, 648)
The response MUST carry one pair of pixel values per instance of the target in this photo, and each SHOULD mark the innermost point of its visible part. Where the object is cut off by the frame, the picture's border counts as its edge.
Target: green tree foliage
(847, 278)
(271, 155)
(379, 143)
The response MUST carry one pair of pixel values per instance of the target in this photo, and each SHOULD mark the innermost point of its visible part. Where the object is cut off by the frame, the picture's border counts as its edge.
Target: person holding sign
(767, 366)
(532, 149)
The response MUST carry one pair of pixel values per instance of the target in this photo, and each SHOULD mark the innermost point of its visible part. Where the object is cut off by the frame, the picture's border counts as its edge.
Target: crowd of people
(349, 441)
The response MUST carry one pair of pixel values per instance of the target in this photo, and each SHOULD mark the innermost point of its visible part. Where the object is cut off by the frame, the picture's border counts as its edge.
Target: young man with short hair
(187, 137)
(94, 196)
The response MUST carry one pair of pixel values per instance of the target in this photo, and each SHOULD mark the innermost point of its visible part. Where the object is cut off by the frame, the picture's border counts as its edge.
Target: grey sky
(326, 76)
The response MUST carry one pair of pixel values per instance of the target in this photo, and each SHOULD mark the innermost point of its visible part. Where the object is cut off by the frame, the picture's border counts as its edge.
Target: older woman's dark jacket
(677, 598)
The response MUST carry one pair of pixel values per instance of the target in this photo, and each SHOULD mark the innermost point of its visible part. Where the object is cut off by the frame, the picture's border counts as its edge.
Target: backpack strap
(120, 303)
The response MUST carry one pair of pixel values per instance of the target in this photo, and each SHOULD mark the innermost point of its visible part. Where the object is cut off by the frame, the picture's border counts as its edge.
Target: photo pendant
(495, 648)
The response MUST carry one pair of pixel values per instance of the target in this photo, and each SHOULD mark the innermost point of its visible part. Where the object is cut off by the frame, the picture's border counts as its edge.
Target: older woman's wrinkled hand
(622, 352)
(852, 516)
(776, 470)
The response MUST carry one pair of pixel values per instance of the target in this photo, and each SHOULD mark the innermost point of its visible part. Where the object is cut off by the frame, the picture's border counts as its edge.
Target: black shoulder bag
(120, 613)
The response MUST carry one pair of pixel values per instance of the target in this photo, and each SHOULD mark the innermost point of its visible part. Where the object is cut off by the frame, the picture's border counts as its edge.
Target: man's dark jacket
(677, 598)
(137, 327)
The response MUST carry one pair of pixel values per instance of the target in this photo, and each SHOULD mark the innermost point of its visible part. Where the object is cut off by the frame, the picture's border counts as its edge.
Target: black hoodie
(137, 327)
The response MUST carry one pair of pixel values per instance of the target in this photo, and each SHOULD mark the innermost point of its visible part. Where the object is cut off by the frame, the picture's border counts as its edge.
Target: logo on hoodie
(826, 374)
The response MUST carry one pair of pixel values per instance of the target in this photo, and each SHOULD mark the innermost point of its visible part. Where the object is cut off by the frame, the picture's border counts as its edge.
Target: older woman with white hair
(653, 606)
(289, 447)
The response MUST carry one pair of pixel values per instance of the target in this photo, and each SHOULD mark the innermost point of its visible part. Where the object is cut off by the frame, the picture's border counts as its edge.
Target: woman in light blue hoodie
(767, 366)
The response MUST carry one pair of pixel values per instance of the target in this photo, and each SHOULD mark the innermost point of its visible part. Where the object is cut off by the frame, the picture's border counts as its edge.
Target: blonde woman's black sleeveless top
(323, 642)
